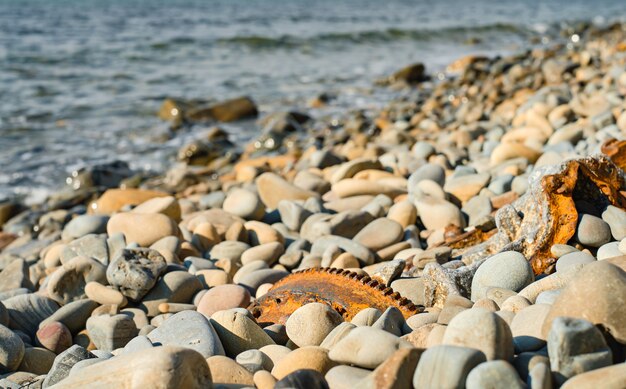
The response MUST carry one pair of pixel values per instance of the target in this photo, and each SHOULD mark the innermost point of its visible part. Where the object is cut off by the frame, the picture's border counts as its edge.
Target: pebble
(362, 253)
(308, 357)
(135, 271)
(68, 282)
(355, 347)
(54, 336)
(73, 315)
(292, 214)
(244, 203)
(494, 374)
(509, 270)
(254, 360)
(111, 332)
(142, 228)
(311, 323)
(592, 231)
(616, 219)
(238, 332)
(446, 366)
(273, 188)
(160, 367)
(427, 172)
(37, 360)
(303, 379)
(167, 205)
(483, 330)
(567, 261)
(451, 307)
(268, 253)
(345, 377)
(379, 234)
(366, 317)
(467, 186)
(26, 311)
(83, 225)
(188, 329)
(576, 346)
(173, 287)
(337, 334)
(526, 327)
(602, 283)
(559, 250)
(64, 362)
(229, 250)
(11, 350)
(396, 372)
(253, 280)
(264, 380)
(437, 213)
(611, 377)
(225, 371)
(91, 246)
(138, 343)
(103, 295)
(15, 276)
(223, 297)
(404, 213)
(609, 250)
(392, 321)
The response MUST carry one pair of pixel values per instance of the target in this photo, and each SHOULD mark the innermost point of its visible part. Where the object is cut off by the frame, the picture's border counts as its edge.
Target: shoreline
(470, 223)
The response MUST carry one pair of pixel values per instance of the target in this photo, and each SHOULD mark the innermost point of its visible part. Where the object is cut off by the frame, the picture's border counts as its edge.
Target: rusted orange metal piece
(616, 150)
(345, 291)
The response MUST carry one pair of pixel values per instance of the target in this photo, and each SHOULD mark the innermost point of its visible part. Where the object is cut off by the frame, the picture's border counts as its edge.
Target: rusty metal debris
(345, 291)
(546, 214)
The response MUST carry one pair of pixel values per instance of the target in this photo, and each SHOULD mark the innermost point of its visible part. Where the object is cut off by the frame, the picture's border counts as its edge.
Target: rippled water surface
(80, 80)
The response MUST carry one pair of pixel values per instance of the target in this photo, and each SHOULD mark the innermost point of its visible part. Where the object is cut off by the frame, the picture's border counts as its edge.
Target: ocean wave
(454, 33)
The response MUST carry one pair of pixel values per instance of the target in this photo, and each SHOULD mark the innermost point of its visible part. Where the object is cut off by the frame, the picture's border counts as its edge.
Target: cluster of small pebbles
(147, 285)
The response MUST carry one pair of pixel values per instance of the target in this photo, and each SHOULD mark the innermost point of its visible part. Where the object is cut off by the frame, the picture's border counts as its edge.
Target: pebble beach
(469, 233)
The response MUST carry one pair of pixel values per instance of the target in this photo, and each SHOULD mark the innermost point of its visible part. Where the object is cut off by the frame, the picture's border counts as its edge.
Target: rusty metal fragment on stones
(345, 291)
(546, 214)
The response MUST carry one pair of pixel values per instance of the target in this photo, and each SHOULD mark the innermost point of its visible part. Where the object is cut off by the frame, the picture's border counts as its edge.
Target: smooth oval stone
(26, 311)
(273, 188)
(83, 225)
(223, 297)
(229, 250)
(188, 329)
(54, 336)
(570, 260)
(309, 357)
(508, 270)
(467, 186)
(446, 366)
(366, 317)
(238, 332)
(292, 214)
(482, 330)
(559, 250)
(37, 360)
(379, 234)
(361, 252)
(609, 250)
(429, 171)
(68, 282)
(493, 374)
(605, 285)
(268, 253)
(253, 280)
(103, 295)
(254, 360)
(92, 246)
(526, 327)
(437, 213)
(592, 231)
(168, 206)
(616, 219)
(351, 168)
(311, 323)
(612, 377)
(15, 276)
(303, 379)
(11, 350)
(173, 287)
(111, 332)
(392, 321)
(244, 203)
(225, 371)
(142, 228)
(73, 315)
(135, 271)
(138, 343)
(345, 377)
(160, 367)
(355, 348)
